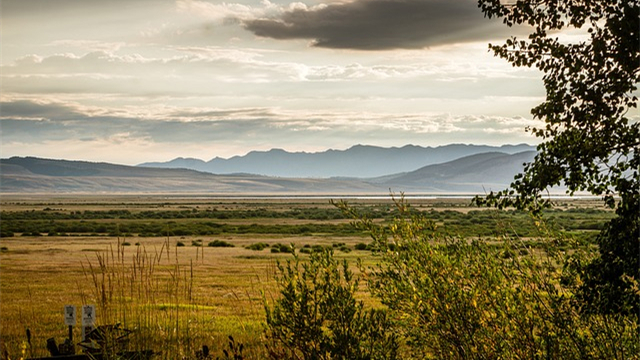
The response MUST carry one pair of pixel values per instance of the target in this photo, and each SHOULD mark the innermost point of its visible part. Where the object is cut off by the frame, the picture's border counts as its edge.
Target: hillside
(476, 173)
(35, 175)
(470, 174)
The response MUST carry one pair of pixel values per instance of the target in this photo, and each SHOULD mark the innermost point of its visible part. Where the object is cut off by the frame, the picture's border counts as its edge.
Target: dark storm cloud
(382, 24)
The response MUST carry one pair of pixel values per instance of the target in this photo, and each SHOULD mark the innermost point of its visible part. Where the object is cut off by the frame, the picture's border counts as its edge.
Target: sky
(131, 81)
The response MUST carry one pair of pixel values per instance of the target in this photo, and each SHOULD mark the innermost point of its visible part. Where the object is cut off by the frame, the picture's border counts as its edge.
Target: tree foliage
(589, 142)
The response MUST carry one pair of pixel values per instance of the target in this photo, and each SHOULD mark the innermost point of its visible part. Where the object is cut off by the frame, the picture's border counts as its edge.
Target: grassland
(62, 250)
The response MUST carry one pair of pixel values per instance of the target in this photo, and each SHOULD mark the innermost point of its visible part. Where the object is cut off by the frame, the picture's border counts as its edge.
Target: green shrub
(259, 246)
(318, 248)
(220, 243)
(361, 246)
(317, 316)
(612, 280)
(197, 242)
(4, 249)
(281, 248)
(180, 244)
(310, 249)
(306, 250)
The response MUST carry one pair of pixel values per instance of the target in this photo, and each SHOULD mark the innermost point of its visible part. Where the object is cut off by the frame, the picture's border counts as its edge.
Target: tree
(589, 143)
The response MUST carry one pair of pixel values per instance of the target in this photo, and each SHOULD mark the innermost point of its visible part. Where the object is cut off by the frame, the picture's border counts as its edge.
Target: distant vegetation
(219, 243)
(580, 222)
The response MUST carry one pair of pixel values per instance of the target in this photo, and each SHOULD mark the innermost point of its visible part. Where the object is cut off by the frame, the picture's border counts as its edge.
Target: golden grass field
(39, 275)
(203, 294)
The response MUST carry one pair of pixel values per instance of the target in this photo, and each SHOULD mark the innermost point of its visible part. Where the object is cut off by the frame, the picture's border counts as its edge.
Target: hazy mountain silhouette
(358, 161)
(468, 174)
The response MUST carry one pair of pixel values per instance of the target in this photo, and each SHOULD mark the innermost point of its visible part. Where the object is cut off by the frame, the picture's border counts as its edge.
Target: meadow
(195, 270)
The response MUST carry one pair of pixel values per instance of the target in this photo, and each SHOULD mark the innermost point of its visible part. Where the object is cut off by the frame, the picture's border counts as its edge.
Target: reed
(150, 294)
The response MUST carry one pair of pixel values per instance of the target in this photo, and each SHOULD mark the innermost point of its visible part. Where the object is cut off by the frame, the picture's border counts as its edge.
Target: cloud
(44, 125)
(25, 109)
(227, 12)
(91, 45)
(381, 24)
(47, 6)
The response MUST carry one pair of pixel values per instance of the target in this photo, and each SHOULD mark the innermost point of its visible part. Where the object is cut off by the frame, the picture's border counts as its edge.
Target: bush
(361, 246)
(317, 316)
(258, 246)
(220, 243)
(452, 299)
(281, 248)
(318, 248)
(180, 244)
(612, 280)
(197, 242)
(309, 249)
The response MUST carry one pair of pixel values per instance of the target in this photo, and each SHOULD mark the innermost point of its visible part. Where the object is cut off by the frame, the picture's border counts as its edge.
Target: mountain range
(475, 172)
(362, 161)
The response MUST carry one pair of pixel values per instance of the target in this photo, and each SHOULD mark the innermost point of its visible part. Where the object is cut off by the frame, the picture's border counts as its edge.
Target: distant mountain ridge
(360, 161)
(472, 174)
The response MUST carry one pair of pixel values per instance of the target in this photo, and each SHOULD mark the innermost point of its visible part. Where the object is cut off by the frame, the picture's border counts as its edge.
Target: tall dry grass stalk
(151, 294)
